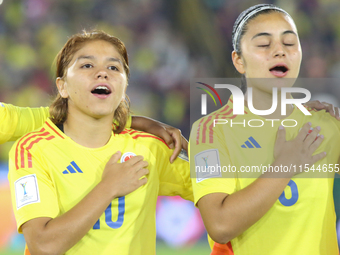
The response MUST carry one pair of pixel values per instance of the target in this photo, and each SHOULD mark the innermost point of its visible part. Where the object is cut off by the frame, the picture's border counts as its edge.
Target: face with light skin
(97, 64)
(271, 41)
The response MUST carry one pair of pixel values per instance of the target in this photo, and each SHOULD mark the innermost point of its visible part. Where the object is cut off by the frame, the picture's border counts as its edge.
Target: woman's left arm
(317, 105)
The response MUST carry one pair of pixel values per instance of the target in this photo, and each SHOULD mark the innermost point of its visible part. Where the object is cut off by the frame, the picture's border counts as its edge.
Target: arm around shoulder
(17, 121)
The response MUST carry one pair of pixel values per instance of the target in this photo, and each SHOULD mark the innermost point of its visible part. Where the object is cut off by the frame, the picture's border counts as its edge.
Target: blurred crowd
(168, 43)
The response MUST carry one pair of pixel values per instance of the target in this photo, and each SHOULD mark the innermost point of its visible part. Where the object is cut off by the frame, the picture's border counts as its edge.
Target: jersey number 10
(295, 195)
(108, 215)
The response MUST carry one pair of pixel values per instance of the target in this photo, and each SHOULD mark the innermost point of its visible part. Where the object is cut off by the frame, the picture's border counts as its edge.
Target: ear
(61, 85)
(238, 62)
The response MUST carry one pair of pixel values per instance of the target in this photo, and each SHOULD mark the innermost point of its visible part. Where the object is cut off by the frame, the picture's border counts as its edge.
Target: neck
(264, 101)
(88, 131)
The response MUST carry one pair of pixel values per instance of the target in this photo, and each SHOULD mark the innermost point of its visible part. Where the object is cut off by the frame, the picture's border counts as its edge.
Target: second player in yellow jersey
(304, 215)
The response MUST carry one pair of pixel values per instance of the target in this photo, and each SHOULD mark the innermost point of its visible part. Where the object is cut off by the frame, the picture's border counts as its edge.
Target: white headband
(249, 15)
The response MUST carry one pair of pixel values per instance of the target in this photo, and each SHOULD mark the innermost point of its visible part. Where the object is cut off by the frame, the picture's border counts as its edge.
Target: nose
(102, 74)
(278, 50)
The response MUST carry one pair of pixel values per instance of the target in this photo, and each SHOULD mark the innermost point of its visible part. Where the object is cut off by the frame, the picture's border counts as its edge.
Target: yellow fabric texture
(302, 220)
(65, 172)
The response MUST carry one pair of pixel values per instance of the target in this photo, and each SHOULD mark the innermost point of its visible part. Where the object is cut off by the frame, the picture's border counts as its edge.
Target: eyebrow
(110, 59)
(268, 34)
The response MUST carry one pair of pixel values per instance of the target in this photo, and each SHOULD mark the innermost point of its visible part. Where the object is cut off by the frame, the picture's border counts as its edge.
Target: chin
(101, 114)
(275, 82)
(285, 83)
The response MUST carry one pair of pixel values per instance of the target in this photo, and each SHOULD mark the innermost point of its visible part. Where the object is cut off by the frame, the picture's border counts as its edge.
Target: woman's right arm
(227, 216)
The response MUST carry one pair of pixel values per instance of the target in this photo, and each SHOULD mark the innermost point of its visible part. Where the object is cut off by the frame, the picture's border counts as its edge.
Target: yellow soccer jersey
(18, 121)
(302, 221)
(50, 173)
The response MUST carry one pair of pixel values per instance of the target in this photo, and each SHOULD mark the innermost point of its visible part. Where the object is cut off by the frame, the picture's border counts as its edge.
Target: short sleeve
(174, 179)
(17, 121)
(209, 164)
(33, 192)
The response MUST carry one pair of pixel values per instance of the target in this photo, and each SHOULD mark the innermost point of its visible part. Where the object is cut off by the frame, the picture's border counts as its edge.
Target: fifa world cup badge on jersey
(126, 156)
(207, 165)
(26, 190)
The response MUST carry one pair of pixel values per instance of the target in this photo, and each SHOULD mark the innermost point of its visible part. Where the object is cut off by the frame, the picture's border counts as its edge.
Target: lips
(101, 90)
(279, 70)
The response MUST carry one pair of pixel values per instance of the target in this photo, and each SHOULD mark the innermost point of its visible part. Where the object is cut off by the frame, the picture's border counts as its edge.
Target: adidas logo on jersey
(251, 143)
(73, 168)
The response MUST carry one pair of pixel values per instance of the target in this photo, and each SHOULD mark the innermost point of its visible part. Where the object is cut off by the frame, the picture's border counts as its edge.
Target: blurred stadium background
(168, 43)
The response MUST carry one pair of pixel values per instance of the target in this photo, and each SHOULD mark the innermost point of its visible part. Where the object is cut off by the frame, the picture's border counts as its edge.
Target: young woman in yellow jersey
(269, 215)
(70, 194)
